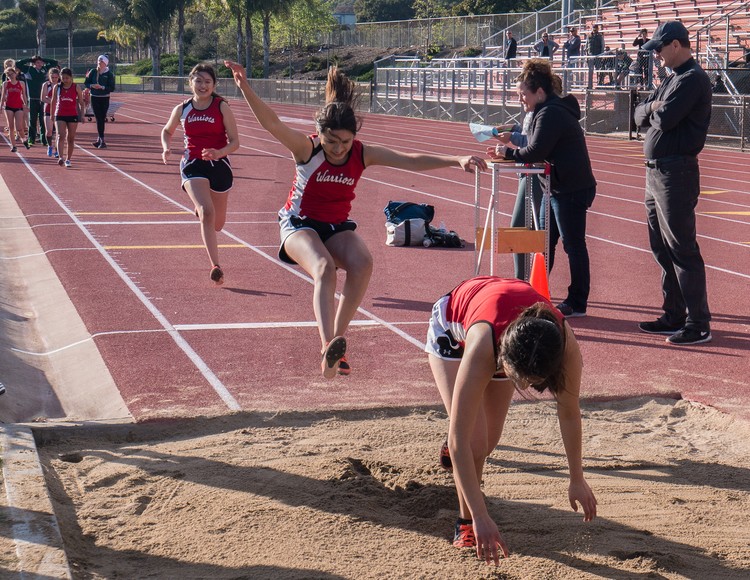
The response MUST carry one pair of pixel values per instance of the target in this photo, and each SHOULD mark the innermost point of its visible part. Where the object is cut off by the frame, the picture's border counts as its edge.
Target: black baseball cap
(666, 33)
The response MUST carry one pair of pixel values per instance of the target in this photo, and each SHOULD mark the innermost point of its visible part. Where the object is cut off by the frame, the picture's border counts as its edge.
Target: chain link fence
(84, 57)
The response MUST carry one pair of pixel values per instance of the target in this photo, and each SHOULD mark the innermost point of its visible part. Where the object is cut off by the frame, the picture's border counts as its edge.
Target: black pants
(100, 106)
(36, 115)
(672, 190)
(568, 222)
(518, 219)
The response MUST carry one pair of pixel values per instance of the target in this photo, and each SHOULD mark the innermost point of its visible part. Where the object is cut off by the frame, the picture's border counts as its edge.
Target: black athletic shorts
(289, 223)
(218, 173)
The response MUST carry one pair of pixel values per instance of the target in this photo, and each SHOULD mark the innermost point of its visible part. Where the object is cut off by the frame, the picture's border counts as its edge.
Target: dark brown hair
(532, 348)
(204, 68)
(341, 101)
(537, 73)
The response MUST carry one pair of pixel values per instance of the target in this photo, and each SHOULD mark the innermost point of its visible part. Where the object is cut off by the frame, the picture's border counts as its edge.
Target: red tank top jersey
(13, 95)
(204, 129)
(49, 87)
(67, 100)
(323, 191)
(497, 301)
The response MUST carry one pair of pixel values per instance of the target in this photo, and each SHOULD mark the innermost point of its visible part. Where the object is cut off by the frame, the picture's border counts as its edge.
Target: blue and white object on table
(482, 132)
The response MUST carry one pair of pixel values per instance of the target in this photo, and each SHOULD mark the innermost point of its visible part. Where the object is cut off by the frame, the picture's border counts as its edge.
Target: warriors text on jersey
(204, 129)
(13, 95)
(323, 191)
(67, 100)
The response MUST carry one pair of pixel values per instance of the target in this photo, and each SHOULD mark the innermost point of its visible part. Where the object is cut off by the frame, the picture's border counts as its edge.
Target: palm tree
(124, 35)
(267, 9)
(73, 13)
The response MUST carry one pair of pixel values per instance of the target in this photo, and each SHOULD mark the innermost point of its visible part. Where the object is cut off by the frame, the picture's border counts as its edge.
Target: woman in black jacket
(100, 81)
(555, 136)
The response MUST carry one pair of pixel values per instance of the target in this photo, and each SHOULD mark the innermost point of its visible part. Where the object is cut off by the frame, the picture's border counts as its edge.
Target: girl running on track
(13, 101)
(316, 232)
(67, 107)
(488, 337)
(48, 88)
(210, 135)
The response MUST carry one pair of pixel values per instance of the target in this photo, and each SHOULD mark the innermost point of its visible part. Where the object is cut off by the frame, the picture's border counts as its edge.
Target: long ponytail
(342, 99)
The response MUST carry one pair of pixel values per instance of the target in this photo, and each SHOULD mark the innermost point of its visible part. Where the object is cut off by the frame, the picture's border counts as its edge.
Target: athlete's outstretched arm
(168, 131)
(296, 141)
(377, 155)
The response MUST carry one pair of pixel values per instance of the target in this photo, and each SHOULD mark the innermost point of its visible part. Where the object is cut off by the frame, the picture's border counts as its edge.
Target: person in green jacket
(100, 81)
(35, 71)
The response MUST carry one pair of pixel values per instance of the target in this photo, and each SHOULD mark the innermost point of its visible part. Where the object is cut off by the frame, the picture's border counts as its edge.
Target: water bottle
(442, 229)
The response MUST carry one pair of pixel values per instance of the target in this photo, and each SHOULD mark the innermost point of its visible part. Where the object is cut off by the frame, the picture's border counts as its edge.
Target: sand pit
(360, 495)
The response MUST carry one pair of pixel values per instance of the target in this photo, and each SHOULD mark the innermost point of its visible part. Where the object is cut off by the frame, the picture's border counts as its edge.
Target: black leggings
(100, 106)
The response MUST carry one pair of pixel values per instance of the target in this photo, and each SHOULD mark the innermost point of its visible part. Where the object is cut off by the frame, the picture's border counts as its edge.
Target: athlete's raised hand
(238, 72)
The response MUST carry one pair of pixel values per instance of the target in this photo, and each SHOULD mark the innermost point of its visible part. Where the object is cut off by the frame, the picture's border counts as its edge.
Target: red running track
(175, 345)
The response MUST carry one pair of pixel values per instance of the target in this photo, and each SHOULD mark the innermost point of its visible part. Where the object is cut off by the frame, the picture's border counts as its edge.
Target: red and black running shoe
(332, 355)
(445, 457)
(217, 276)
(344, 368)
(463, 536)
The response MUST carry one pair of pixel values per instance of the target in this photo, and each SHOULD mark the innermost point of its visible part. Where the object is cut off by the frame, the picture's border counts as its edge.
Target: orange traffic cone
(538, 278)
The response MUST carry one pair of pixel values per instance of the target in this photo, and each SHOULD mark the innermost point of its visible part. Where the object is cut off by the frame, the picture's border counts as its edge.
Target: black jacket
(555, 136)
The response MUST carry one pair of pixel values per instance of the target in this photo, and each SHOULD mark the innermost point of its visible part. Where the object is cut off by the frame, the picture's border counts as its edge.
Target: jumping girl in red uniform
(210, 135)
(68, 108)
(316, 232)
(46, 97)
(487, 338)
(13, 101)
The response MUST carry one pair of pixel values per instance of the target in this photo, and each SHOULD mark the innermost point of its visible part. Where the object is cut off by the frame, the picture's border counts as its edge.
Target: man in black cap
(677, 116)
(35, 70)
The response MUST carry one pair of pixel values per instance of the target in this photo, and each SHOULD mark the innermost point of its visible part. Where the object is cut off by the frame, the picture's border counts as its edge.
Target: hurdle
(527, 240)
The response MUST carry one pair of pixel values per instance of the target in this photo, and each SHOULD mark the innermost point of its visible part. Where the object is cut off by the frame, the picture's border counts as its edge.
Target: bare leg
(220, 209)
(10, 118)
(200, 193)
(62, 137)
(351, 254)
(72, 129)
(306, 248)
(489, 426)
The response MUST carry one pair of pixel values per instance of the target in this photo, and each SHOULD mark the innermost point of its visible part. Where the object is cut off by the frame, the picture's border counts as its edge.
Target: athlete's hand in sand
(472, 162)
(165, 156)
(238, 72)
(210, 155)
(490, 543)
(581, 492)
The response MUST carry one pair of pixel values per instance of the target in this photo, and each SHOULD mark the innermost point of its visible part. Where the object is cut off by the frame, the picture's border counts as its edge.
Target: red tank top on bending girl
(497, 301)
(67, 101)
(323, 191)
(204, 129)
(13, 95)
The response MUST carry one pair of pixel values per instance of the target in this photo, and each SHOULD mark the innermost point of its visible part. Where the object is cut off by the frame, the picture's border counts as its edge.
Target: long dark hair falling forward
(532, 348)
(341, 102)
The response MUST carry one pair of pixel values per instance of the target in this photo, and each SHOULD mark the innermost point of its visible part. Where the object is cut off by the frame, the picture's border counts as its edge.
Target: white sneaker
(67, 163)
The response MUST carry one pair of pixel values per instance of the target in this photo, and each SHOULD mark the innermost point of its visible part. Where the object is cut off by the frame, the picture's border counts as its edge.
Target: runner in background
(100, 82)
(68, 108)
(46, 97)
(13, 102)
(210, 136)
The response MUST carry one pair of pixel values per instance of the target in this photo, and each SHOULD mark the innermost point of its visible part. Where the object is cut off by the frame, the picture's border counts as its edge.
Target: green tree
(72, 14)
(267, 9)
(16, 28)
(152, 17)
(382, 10)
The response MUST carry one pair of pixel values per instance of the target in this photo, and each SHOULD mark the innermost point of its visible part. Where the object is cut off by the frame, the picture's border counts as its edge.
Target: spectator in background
(677, 115)
(572, 46)
(595, 47)
(556, 136)
(511, 48)
(100, 81)
(35, 70)
(546, 47)
(641, 60)
(622, 67)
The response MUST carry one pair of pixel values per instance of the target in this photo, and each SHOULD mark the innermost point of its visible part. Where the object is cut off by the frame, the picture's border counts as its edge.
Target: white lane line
(85, 340)
(22, 256)
(199, 363)
(264, 325)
